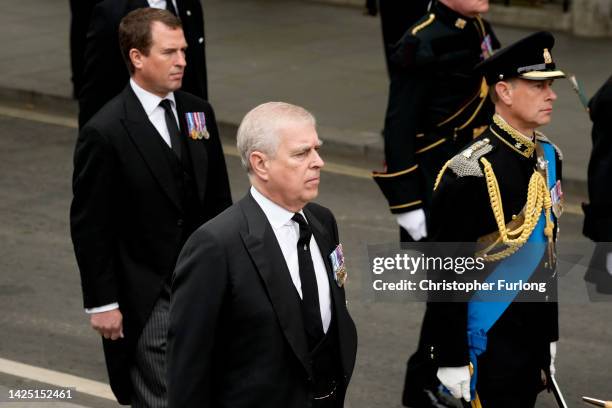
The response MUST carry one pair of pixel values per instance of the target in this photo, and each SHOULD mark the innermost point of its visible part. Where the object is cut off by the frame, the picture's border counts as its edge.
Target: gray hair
(259, 129)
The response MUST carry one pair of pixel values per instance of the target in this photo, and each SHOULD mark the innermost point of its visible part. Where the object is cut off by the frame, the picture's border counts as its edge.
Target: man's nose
(318, 161)
(181, 60)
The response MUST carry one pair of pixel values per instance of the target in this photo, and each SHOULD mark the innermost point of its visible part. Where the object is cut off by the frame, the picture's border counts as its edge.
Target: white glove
(413, 222)
(553, 355)
(609, 262)
(456, 380)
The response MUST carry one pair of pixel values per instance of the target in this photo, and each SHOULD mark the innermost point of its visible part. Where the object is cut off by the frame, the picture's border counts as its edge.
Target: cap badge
(547, 56)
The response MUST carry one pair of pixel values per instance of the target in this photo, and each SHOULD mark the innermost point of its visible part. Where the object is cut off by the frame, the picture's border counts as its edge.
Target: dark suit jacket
(105, 73)
(236, 336)
(126, 218)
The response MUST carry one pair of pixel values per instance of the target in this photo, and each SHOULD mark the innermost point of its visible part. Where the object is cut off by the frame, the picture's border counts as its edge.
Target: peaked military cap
(528, 58)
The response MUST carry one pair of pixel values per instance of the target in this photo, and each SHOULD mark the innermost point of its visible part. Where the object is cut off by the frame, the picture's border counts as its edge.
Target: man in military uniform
(503, 192)
(436, 105)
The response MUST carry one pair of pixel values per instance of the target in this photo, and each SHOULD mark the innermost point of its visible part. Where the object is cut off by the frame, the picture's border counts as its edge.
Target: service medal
(196, 125)
(337, 261)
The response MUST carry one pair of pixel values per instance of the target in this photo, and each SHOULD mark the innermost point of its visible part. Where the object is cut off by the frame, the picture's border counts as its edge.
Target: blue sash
(520, 266)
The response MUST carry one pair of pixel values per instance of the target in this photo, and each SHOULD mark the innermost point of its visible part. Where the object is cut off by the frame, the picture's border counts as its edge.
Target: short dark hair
(135, 30)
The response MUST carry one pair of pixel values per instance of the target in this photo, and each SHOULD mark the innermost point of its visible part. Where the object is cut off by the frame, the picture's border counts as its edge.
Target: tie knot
(299, 218)
(166, 105)
(305, 232)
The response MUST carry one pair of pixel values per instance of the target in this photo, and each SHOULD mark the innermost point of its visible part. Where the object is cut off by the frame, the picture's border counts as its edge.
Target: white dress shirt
(287, 233)
(155, 113)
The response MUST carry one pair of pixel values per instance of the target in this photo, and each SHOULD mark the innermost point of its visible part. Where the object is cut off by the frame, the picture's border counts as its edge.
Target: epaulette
(410, 51)
(542, 138)
(466, 163)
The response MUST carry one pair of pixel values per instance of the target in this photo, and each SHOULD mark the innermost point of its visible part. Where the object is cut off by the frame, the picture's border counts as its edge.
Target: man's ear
(504, 92)
(259, 165)
(136, 58)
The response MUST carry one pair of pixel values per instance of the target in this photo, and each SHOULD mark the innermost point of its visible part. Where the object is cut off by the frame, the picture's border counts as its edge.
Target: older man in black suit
(104, 74)
(258, 315)
(148, 170)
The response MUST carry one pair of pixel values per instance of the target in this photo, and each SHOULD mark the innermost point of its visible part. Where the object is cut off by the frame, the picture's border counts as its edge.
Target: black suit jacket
(126, 216)
(105, 73)
(236, 336)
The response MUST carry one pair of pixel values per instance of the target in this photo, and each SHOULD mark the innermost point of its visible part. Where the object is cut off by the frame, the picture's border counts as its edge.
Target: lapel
(143, 134)
(263, 249)
(196, 148)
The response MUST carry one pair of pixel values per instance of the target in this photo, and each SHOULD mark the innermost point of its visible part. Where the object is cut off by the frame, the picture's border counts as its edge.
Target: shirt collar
(156, 3)
(277, 216)
(148, 100)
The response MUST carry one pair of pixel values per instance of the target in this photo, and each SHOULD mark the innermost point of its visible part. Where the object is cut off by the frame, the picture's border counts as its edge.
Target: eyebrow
(306, 147)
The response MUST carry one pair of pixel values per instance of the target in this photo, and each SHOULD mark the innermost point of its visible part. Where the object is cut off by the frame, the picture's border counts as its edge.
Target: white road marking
(56, 378)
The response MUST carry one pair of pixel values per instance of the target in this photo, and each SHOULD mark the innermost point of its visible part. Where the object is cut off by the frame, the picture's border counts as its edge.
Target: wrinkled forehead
(297, 133)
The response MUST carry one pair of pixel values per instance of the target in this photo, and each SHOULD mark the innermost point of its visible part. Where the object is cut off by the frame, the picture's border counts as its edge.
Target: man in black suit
(104, 74)
(258, 315)
(148, 171)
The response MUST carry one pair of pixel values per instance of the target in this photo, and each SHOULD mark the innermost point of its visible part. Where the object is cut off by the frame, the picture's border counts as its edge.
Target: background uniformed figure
(436, 105)
(104, 74)
(142, 184)
(598, 213)
(522, 341)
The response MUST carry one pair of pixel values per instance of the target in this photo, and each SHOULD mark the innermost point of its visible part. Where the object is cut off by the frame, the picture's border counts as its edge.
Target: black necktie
(311, 311)
(173, 130)
(170, 7)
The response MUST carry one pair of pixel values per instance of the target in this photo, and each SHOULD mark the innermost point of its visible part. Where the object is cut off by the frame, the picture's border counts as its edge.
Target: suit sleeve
(218, 195)
(401, 182)
(92, 217)
(198, 291)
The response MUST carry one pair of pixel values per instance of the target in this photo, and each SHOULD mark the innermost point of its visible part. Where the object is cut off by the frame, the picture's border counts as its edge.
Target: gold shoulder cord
(424, 24)
(538, 198)
(440, 173)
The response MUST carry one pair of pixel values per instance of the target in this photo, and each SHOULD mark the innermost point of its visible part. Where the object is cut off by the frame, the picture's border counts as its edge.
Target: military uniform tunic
(436, 103)
(518, 342)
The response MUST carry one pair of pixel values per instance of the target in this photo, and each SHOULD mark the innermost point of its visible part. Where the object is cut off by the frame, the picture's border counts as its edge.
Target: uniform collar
(450, 16)
(523, 145)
